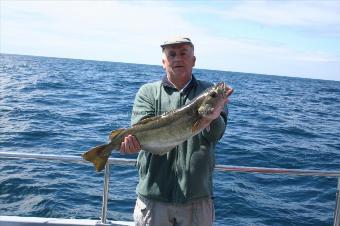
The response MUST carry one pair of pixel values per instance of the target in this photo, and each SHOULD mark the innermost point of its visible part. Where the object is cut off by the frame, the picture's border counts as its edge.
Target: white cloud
(118, 27)
(126, 32)
(252, 57)
(291, 13)
(102, 17)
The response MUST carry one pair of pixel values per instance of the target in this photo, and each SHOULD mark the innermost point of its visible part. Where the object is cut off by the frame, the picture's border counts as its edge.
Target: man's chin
(183, 75)
(180, 72)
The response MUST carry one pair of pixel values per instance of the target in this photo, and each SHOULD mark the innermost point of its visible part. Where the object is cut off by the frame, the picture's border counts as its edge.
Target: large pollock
(160, 134)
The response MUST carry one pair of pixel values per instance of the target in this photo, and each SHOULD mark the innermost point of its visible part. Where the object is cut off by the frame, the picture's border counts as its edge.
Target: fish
(160, 134)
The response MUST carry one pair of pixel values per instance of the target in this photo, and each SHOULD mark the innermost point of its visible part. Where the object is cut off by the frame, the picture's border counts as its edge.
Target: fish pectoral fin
(98, 156)
(115, 133)
(197, 125)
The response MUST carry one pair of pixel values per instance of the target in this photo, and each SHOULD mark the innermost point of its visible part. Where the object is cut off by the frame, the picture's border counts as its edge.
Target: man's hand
(216, 112)
(130, 145)
(207, 119)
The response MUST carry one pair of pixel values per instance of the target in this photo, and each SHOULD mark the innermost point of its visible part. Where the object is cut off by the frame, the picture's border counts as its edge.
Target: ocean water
(65, 106)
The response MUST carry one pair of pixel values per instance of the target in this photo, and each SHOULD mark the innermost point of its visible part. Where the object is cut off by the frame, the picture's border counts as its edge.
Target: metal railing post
(337, 206)
(105, 192)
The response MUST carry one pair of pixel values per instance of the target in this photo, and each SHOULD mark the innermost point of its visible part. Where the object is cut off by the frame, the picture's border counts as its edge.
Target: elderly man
(175, 188)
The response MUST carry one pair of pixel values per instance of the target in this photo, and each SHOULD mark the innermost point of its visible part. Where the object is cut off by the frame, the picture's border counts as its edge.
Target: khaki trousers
(153, 213)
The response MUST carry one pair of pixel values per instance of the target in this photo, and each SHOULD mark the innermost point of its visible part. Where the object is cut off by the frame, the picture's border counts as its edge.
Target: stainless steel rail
(337, 206)
(263, 170)
(66, 158)
(223, 168)
(105, 193)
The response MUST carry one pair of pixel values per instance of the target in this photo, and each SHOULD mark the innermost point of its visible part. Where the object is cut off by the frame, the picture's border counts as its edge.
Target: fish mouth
(225, 89)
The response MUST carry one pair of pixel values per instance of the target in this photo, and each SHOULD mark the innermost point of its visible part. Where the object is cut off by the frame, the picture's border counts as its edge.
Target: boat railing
(223, 168)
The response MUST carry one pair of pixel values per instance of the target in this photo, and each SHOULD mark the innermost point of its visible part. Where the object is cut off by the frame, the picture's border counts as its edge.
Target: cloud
(98, 18)
(126, 32)
(115, 28)
(321, 16)
(249, 56)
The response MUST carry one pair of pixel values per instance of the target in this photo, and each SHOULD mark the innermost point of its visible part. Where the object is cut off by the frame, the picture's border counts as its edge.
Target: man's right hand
(130, 145)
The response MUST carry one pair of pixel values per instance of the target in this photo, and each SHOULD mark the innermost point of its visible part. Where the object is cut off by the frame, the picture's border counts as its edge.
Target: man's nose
(178, 57)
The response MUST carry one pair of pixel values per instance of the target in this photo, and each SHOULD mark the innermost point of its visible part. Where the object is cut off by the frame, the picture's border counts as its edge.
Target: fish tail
(98, 156)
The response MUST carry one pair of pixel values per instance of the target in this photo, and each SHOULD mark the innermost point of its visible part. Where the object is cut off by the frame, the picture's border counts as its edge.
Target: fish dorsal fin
(115, 133)
(168, 112)
(146, 120)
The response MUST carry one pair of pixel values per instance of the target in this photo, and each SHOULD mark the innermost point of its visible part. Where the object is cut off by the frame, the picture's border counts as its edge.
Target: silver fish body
(160, 134)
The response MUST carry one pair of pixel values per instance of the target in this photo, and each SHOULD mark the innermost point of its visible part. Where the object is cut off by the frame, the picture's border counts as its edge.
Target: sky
(298, 38)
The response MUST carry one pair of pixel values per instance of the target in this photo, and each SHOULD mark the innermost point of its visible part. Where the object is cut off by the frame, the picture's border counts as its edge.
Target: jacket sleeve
(217, 128)
(143, 106)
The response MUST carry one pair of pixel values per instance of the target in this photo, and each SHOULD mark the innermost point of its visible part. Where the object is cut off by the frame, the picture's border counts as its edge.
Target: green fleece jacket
(185, 173)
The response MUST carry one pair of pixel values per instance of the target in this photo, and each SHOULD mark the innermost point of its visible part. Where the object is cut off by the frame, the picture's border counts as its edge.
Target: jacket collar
(186, 89)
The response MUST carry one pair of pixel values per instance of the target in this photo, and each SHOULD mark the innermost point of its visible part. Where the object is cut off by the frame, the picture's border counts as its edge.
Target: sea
(66, 106)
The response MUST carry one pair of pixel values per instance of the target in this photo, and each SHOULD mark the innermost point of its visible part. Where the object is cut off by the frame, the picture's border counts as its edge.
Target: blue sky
(290, 38)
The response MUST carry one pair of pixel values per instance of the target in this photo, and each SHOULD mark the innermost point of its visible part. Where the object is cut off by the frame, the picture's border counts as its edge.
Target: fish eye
(213, 94)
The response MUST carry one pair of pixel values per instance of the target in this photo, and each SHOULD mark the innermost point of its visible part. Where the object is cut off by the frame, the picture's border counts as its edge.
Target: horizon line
(221, 70)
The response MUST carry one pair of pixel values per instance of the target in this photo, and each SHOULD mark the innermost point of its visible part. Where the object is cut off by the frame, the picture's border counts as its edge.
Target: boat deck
(39, 221)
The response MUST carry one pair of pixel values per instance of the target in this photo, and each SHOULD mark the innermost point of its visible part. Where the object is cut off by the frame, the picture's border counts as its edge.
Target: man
(175, 188)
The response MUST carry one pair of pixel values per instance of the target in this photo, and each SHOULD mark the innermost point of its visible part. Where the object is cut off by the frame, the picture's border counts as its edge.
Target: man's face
(178, 61)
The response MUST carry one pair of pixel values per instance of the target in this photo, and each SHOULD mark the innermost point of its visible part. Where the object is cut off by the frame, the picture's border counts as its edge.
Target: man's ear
(194, 59)
(163, 64)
